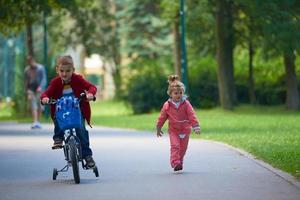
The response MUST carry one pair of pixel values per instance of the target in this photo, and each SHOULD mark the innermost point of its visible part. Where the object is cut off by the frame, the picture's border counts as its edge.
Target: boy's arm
(90, 88)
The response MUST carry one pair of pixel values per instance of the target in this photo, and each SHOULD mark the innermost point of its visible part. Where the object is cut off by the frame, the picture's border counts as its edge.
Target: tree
(171, 14)
(248, 36)
(280, 21)
(225, 45)
(154, 41)
(17, 14)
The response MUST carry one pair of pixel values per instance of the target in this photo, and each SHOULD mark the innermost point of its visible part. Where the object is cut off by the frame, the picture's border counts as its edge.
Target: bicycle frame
(72, 145)
(70, 138)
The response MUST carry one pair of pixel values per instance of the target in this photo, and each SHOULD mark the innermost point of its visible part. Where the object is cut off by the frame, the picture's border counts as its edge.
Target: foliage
(200, 27)
(136, 31)
(203, 83)
(147, 89)
(15, 14)
(280, 24)
(145, 35)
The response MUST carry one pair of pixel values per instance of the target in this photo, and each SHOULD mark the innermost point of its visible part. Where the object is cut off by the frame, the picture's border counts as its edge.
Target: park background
(238, 58)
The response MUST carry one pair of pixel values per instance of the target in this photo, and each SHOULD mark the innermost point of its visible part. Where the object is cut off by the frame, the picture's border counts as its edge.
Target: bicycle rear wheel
(74, 162)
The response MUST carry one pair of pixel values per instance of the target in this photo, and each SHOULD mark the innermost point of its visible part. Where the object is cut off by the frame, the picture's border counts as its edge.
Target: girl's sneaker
(178, 167)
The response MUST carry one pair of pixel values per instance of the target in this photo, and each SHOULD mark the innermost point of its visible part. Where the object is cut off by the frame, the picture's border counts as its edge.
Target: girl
(182, 118)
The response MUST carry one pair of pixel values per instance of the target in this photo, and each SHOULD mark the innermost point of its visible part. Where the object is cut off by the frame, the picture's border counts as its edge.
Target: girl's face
(65, 72)
(176, 95)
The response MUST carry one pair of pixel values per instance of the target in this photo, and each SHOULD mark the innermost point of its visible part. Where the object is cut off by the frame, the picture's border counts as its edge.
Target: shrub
(146, 91)
(203, 84)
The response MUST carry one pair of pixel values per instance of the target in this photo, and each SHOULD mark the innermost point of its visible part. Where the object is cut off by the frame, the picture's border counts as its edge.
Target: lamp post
(184, 70)
(45, 53)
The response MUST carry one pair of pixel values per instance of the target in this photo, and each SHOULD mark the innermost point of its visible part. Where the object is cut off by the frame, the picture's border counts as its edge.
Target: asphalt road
(133, 166)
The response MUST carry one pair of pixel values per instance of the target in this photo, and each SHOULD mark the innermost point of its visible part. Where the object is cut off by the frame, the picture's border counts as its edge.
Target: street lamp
(184, 71)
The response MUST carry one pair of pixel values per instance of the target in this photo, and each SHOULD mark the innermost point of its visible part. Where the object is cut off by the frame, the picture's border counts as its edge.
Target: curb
(284, 175)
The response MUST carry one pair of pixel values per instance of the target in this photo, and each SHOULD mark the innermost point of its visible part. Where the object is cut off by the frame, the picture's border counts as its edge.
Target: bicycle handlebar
(82, 97)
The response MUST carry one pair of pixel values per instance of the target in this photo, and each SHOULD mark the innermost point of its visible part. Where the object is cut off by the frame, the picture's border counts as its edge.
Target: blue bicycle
(69, 118)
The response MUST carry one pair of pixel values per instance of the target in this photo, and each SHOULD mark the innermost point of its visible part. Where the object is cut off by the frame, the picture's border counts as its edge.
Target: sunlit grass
(110, 108)
(5, 110)
(269, 133)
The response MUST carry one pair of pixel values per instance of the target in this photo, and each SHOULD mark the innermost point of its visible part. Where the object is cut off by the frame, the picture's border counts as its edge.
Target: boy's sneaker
(58, 143)
(178, 167)
(90, 163)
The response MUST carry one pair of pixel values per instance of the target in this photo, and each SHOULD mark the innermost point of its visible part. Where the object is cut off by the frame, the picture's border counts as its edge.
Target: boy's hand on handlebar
(45, 100)
(89, 96)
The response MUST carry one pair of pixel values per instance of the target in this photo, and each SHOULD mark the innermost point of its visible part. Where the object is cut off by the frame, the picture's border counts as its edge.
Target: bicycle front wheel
(74, 162)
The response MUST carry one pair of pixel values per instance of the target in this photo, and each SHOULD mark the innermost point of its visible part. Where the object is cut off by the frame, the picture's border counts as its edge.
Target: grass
(269, 133)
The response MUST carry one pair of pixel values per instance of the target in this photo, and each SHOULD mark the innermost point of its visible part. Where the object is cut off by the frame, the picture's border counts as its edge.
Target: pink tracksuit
(181, 122)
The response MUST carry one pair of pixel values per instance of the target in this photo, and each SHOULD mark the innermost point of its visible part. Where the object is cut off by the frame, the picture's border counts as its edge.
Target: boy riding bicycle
(68, 83)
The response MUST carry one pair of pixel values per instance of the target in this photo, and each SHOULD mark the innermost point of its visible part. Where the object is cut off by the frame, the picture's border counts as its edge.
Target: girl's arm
(161, 119)
(193, 118)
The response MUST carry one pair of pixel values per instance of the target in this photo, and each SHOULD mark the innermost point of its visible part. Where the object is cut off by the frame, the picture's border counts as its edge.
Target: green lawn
(269, 133)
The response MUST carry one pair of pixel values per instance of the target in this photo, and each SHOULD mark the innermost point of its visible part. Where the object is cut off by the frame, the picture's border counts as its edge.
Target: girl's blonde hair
(174, 84)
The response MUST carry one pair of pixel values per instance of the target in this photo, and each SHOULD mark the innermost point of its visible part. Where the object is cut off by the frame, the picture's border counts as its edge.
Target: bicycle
(68, 117)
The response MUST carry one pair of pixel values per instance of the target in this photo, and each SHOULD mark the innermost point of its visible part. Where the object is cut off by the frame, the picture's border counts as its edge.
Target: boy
(69, 83)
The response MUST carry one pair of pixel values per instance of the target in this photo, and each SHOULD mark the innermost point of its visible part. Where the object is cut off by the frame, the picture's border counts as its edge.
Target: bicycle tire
(95, 170)
(74, 162)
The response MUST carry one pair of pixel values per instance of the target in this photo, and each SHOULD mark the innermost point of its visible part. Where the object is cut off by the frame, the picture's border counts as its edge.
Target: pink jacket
(181, 119)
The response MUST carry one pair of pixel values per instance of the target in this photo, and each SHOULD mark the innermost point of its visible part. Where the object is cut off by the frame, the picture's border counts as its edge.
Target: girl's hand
(197, 131)
(159, 133)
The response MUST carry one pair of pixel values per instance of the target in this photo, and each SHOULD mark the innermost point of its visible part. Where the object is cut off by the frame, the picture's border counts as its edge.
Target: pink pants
(178, 148)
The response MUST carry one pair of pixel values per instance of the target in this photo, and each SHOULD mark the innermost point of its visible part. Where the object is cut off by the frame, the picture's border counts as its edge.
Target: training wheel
(55, 173)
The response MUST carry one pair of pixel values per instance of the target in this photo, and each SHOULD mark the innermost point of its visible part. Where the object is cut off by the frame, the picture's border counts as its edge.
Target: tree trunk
(292, 94)
(117, 59)
(177, 50)
(29, 40)
(224, 35)
(251, 77)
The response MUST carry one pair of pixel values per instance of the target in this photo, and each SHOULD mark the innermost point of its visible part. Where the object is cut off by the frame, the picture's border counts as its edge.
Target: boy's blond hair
(174, 84)
(66, 60)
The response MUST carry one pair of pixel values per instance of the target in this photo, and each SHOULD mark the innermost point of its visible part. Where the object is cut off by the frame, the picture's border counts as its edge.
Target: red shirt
(78, 85)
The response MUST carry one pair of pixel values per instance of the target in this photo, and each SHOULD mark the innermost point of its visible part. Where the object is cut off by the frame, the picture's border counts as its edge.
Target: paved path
(133, 166)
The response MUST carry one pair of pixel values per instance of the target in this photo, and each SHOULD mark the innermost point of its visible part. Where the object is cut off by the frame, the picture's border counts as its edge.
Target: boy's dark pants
(82, 134)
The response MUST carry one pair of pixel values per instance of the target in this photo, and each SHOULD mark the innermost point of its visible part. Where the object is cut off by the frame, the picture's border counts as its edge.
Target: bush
(203, 84)
(270, 94)
(146, 91)
(266, 93)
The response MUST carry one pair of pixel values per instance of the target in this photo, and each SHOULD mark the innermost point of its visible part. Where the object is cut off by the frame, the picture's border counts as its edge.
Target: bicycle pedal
(57, 147)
